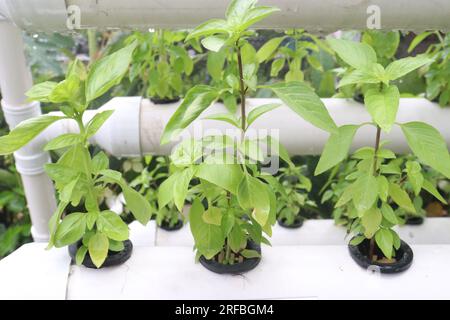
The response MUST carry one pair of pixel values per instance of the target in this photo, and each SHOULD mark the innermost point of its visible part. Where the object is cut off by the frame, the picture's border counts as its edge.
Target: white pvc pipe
(313, 15)
(15, 80)
(136, 126)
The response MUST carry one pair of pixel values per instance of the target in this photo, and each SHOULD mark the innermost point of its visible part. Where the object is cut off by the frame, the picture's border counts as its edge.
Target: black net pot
(404, 256)
(298, 222)
(414, 221)
(166, 225)
(113, 259)
(157, 100)
(237, 268)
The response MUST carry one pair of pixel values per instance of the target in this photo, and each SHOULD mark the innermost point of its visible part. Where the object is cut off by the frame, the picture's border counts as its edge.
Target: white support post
(15, 80)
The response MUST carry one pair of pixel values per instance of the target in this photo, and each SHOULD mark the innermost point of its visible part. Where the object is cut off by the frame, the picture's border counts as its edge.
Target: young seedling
(375, 189)
(235, 202)
(80, 178)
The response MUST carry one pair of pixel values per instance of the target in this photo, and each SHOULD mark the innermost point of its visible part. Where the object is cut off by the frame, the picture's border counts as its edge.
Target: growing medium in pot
(235, 205)
(98, 237)
(377, 190)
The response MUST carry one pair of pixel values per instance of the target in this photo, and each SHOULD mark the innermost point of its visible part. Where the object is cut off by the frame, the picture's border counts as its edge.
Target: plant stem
(227, 253)
(242, 90)
(375, 156)
(92, 43)
(371, 249)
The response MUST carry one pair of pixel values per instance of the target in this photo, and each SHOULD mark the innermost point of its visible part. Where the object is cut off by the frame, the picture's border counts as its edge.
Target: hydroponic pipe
(313, 15)
(15, 80)
(136, 126)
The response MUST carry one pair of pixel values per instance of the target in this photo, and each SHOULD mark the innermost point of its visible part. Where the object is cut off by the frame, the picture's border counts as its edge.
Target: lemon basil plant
(235, 203)
(99, 237)
(376, 191)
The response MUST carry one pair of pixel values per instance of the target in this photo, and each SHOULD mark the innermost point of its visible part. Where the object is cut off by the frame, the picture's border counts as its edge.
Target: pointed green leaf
(383, 105)
(356, 54)
(112, 226)
(401, 197)
(385, 242)
(98, 248)
(428, 186)
(259, 111)
(371, 221)
(365, 192)
(401, 67)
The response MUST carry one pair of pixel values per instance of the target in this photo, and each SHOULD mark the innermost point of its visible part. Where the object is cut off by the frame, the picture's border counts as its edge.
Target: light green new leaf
(415, 177)
(383, 105)
(64, 140)
(98, 248)
(256, 14)
(268, 49)
(253, 195)
(356, 54)
(237, 10)
(25, 132)
(428, 145)
(165, 190)
(70, 230)
(195, 102)
(336, 149)
(259, 111)
(41, 91)
(371, 221)
(428, 186)
(304, 101)
(401, 197)
(209, 239)
(112, 226)
(209, 27)
(385, 241)
(365, 192)
(399, 68)
(97, 121)
(100, 162)
(108, 72)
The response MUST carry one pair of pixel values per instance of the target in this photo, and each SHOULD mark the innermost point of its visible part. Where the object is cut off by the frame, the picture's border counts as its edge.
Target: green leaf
(246, 253)
(383, 187)
(253, 195)
(137, 204)
(238, 9)
(388, 213)
(209, 27)
(304, 101)
(259, 111)
(371, 221)
(64, 140)
(252, 150)
(209, 239)
(91, 218)
(383, 105)
(418, 39)
(336, 149)
(385, 241)
(100, 162)
(428, 186)
(180, 187)
(357, 240)
(67, 191)
(98, 248)
(70, 230)
(276, 148)
(54, 222)
(165, 190)
(235, 238)
(81, 254)
(415, 177)
(110, 224)
(97, 121)
(214, 43)
(256, 14)
(195, 102)
(226, 117)
(365, 192)
(215, 64)
(356, 54)
(41, 91)
(226, 176)
(276, 67)
(358, 77)
(69, 89)
(399, 68)
(25, 132)
(268, 49)
(108, 72)
(401, 197)
(428, 145)
(213, 216)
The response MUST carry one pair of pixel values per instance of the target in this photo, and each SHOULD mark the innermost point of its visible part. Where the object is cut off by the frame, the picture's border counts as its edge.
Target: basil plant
(376, 189)
(235, 202)
(79, 177)
(160, 63)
